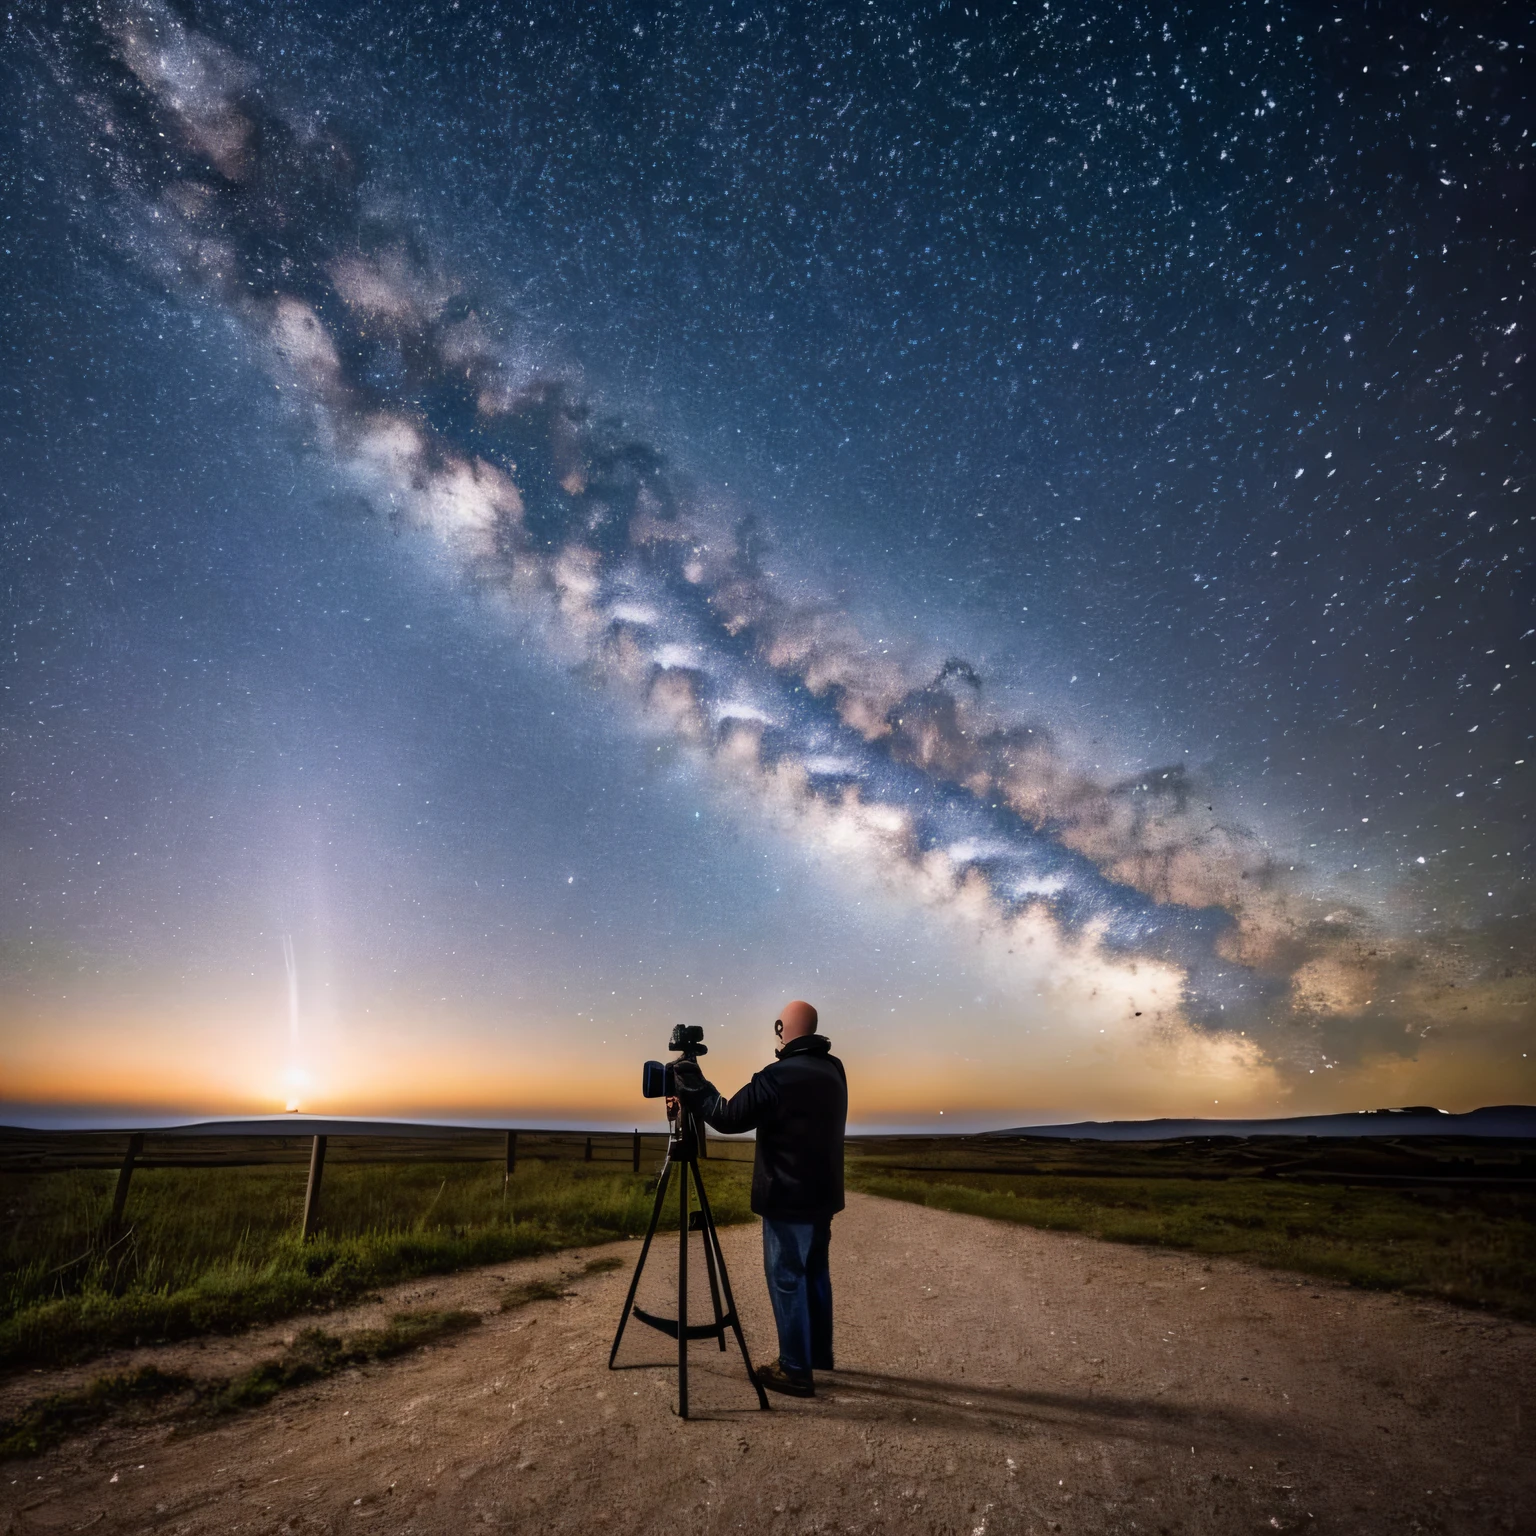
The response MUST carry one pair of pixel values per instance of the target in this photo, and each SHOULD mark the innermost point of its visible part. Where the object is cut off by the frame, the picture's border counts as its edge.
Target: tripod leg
(682, 1293)
(712, 1237)
(709, 1268)
(645, 1248)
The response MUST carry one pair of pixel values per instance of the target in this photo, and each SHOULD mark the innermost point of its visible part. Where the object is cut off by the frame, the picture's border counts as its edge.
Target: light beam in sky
(295, 1079)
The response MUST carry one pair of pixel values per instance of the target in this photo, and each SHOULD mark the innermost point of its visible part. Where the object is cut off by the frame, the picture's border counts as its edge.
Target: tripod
(683, 1155)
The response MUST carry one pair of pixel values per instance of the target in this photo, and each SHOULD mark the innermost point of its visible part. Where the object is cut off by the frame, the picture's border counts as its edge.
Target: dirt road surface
(993, 1379)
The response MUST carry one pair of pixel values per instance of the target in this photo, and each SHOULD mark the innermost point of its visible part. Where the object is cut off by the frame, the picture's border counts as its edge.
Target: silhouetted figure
(799, 1108)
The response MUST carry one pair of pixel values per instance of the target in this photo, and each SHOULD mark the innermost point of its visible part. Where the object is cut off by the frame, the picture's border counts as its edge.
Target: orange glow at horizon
(144, 1057)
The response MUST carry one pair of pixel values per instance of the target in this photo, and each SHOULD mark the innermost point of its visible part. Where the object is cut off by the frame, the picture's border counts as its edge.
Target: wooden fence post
(124, 1177)
(312, 1194)
(589, 1150)
(637, 1151)
(511, 1153)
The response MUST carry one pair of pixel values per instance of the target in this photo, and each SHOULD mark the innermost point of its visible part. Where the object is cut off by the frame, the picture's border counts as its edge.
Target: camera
(656, 1081)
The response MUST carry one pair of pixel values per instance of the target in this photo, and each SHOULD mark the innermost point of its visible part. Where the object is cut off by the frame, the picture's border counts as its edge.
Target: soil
(992, 1379)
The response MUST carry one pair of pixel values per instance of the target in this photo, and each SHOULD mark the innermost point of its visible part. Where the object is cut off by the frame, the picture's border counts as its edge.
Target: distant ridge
(1504, 1120)
(289, 1125)
(328, 1125)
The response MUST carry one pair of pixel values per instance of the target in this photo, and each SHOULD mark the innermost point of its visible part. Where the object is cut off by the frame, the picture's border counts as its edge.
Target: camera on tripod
(656, 1079)
(685, 1146)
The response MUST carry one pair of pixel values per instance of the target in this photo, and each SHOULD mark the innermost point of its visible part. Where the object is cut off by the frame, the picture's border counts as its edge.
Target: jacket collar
(802, 1045)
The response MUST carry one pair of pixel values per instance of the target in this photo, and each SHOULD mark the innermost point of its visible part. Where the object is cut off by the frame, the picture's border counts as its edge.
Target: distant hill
(1505, 1120)
(26, 1118)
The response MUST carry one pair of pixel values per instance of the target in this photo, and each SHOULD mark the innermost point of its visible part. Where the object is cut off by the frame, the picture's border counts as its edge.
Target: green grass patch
(1475, 1247)
(60, 1414)
(313, 1355)
(214, 1250)
(533, 1290)
(554, 1290)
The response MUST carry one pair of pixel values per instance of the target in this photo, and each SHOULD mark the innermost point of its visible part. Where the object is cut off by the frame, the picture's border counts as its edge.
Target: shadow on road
(932, 1403)
(937, 1403)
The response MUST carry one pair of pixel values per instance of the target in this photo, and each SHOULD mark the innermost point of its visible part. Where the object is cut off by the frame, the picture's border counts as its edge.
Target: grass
(313, 1355)
(533, 1290)
(50, 1419)
(213, 1250)
(554, 1290)
(1476, 1247)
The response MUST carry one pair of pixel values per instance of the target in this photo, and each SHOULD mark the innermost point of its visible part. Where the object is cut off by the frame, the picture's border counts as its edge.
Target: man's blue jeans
(800, 1287)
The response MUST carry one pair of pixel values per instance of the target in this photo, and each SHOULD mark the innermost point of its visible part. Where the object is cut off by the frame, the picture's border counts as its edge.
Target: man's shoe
(791, 1383)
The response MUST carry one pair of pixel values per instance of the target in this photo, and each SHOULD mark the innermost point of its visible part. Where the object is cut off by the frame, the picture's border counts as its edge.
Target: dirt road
(995, 1380)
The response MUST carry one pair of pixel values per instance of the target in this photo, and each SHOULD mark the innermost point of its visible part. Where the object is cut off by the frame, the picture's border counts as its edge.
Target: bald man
(799, 1108)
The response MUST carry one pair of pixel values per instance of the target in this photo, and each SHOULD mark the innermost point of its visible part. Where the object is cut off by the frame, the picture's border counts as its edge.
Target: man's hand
(688, 1077)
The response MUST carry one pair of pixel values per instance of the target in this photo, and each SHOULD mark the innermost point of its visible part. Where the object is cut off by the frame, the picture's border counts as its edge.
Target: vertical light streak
(295, 1078)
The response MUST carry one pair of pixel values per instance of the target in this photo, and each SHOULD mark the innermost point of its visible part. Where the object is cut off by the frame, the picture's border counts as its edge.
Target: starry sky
(523, 524)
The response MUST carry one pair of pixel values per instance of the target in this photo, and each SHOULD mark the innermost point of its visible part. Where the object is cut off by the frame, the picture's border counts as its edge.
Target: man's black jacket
(799, 1109)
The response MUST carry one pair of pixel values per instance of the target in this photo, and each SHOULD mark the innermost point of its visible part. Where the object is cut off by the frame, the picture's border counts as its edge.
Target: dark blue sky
(1165, 364)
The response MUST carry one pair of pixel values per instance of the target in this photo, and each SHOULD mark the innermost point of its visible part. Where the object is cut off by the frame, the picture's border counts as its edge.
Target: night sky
(522, 525)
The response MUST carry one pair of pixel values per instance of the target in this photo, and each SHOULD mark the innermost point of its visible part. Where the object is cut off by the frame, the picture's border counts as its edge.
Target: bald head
(798, 1019)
